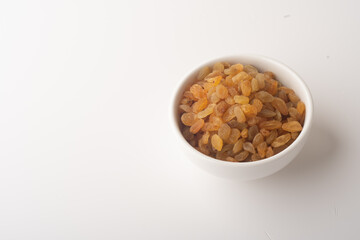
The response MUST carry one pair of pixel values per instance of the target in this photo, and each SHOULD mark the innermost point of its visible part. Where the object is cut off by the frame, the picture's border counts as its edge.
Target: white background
(86, 146)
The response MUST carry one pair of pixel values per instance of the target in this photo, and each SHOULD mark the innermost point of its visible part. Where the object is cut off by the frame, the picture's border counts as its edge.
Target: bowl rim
(307, 123)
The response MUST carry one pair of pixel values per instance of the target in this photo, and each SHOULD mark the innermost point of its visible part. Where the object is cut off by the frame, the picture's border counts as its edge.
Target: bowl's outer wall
(243, 171)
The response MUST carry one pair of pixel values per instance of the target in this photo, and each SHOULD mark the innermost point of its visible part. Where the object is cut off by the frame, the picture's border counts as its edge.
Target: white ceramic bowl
(247, 170)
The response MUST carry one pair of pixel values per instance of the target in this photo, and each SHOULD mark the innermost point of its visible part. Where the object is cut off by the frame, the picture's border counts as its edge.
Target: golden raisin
(251, 70)
(214, 98)
(234, 69)
(269, 75)
(198, 124)
(207, 111)
(269, 152)
(282, 140)
(185, 101)
(253, 121)
(199, 105)
(249, 110)
(258, 104)
(188, 119)
(227, 148)
(203, 73)
(221, 155)
(254, 85)
(221, 108)
(214, 80)
(209, 127)
(267, 113)
(248, 146)
(217, 121)
(204, 148)
(229, 100)
(283, 96)
(270, 125)
(241, 99)
(261, 148)
(253, 130)
(231, 159)
(293, 126)
(280, 105)
(269, 106)
(278, 115)
(234, 136)
(229, 114)
(212, 75)
(264, 132)
(289, 105)
(238, 146)
(293, 97)
(245, 87)
(240, 116)
(224, 131)
(242, 76)
(242, 156)
(273, 134)
(302, 119)
(216, 142)
(235, 124)
(300, 107)
(208, 86)
(255, 157)
(245, 133)
(294, 135)
(218, 67)
(185, 108)
(222, 91)
(205, 138)
(189, 95)
(197, 91)
(232, 91)
(210, 91)
(226, 64)
(264, 96)
(294, 113)
(261, 80)
(229, 82)
(286, 90)
(271, 86)
(258, 139)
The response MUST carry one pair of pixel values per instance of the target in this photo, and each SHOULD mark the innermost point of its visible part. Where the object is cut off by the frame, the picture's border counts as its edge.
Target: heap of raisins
(235, 113)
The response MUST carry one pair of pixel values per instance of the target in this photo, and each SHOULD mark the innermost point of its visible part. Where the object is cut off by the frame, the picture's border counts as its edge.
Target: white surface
(86, 150)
